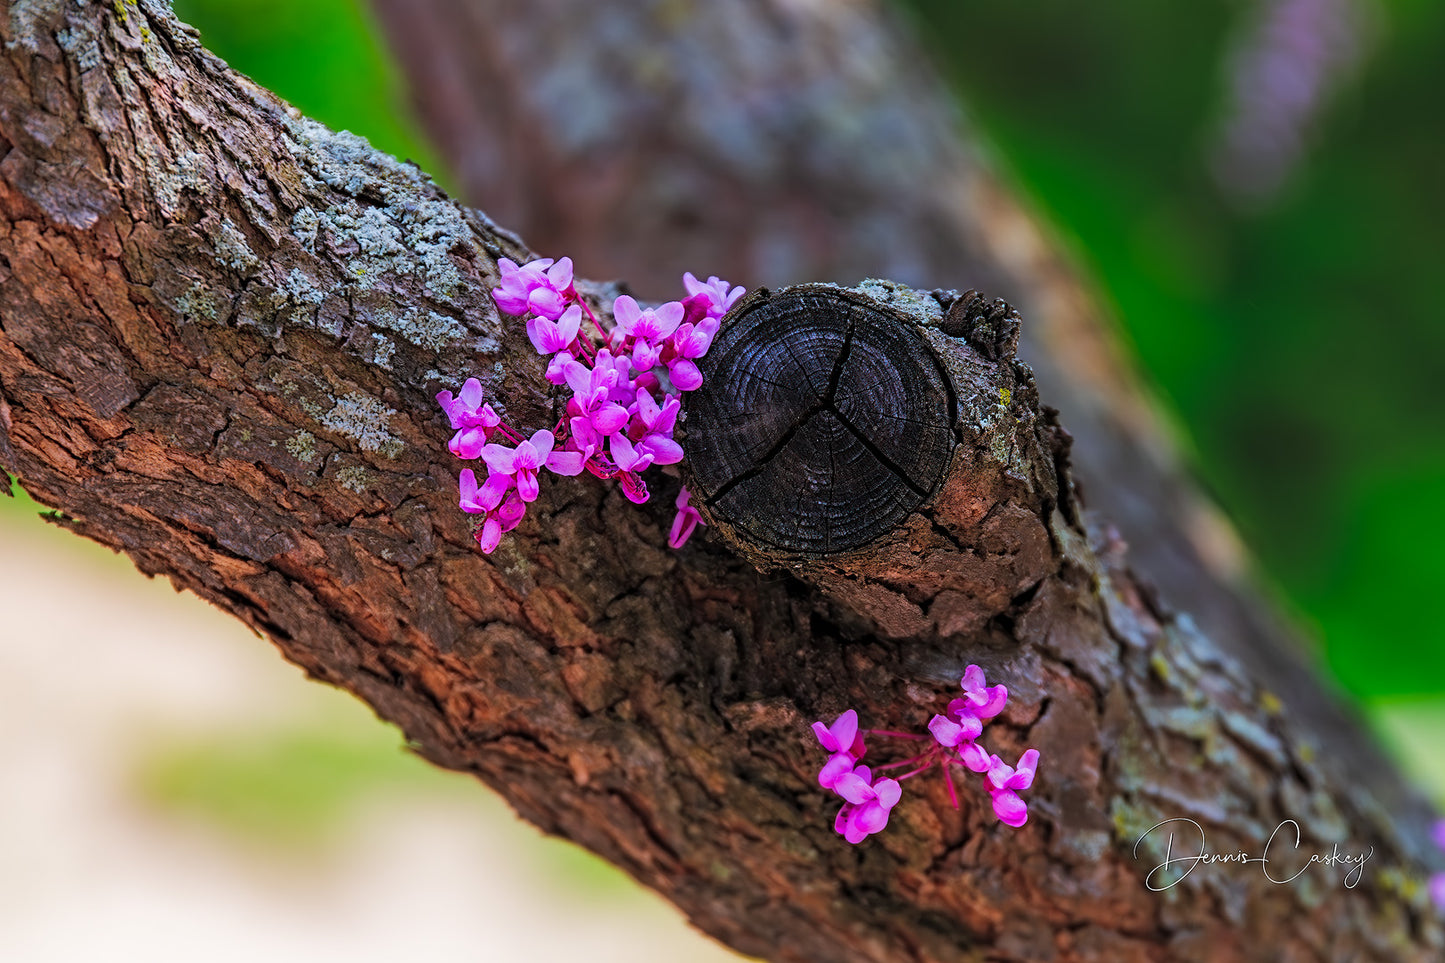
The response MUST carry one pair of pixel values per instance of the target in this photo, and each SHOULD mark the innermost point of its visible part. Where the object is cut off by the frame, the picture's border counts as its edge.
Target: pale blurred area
(171, 790)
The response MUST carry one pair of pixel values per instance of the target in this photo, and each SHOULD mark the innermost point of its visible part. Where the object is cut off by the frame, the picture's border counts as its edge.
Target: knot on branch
(823, 421)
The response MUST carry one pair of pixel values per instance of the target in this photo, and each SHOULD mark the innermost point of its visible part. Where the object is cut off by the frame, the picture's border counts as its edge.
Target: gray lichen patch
(197, 302)
(366, 421)
(230, 247)
(302, 296)
(354, 478)
(427, 329)
(900, 297)
(402, 229)
(302, 446)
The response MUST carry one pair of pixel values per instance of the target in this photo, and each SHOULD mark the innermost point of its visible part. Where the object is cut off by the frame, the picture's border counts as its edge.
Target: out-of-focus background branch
(1253, 188)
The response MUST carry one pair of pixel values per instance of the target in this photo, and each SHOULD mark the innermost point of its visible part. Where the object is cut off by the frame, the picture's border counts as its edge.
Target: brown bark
(220, 329)
(777, 142)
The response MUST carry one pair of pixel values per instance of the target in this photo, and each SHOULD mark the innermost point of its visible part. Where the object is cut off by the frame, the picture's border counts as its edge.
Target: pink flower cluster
(623, 394)
(867, 801)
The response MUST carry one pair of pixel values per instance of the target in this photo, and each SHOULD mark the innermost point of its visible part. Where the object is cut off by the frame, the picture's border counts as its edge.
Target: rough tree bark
(221, 326)
(774, 142)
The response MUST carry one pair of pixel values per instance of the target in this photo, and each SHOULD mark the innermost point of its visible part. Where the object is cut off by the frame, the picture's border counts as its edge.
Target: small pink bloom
(521, 462)
(689, 343)
(720, 297)
(688, 519)
(952, 733)
(510, 512)
(653, 324)
(1009, 808)
(868, 803)
(557, 367)
(1004, 783)
(1003, 776)
(974, 756)
(476, 500)
(983, 700)
(472, 420)
(540, 287)
(842, 736)
(632, 486)
(838, 765)
(591, 389)
(466, 409)
(489, 536)
(550, 337)
(628, 457)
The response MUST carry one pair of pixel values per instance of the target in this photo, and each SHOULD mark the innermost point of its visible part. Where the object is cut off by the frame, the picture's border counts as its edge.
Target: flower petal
(845, 728)
(565, 462)
(609, 419)
(527, 485)
(685, 375)
(1009, 808)
(490, 535)
(500, 458)
(853, 787)
(837, 766)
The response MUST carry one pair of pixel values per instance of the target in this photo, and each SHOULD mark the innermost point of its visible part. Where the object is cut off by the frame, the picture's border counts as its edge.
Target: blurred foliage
(1300, 343)
(294, 787)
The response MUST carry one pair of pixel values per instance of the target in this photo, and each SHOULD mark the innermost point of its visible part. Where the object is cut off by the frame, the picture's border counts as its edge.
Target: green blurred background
(1295, 333)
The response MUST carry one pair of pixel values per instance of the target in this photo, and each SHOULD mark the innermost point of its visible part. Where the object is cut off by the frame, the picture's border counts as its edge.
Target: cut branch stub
(824, 419)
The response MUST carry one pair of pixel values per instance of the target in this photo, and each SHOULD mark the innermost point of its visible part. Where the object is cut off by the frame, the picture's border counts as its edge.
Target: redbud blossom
(688, 519)
(868, 803)
(620, 413)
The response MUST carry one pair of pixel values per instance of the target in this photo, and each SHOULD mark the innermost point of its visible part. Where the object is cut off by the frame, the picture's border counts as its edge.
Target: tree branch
(221, 326)
(774, 141)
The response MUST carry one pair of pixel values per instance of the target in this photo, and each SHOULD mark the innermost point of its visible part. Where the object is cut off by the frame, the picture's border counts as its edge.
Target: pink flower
(689, 343)
(1437, 891)
(632, 486)
(720, 298)
(974, 756)
(688, 518)
(654, 324)
(1010, 809)
(653, 426)
(472, 420)
(843, 740)
(505, 518)
(982, 700)
(1004, 784)
(557, 367)
(585, 439)
(868, 803)
(842, 735)
(628, 457)
(522, 463)
(1003, 776)
(480, 500)
(540, 287)
(951, 733)
(591, 390)
(550, 337)
(838, 765)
